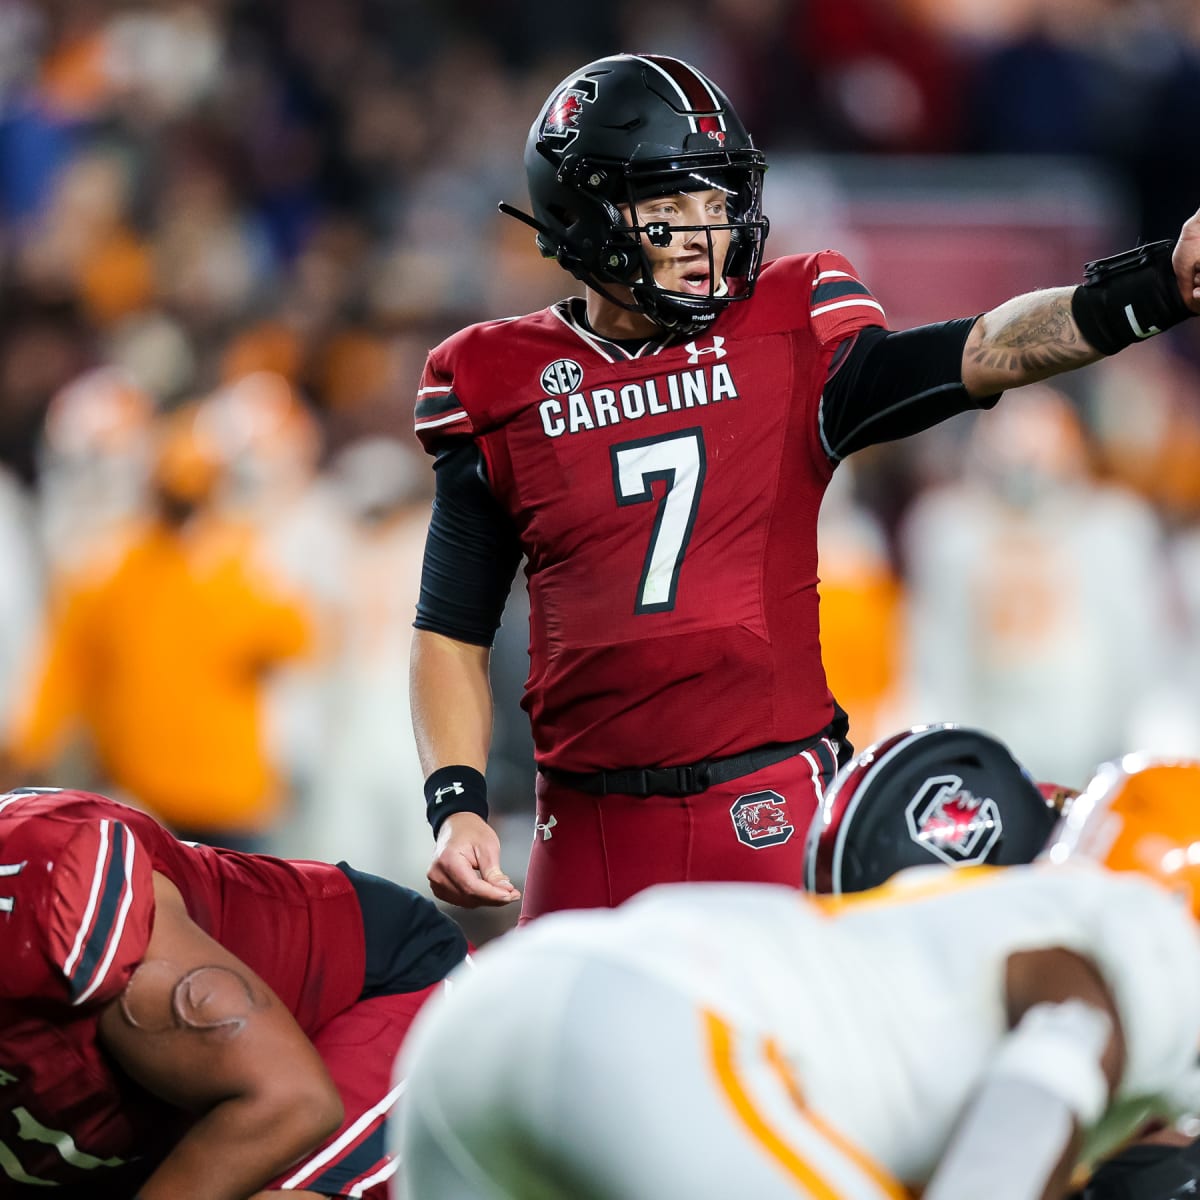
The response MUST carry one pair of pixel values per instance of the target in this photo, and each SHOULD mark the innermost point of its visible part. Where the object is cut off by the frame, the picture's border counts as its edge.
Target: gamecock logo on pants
(761, 819)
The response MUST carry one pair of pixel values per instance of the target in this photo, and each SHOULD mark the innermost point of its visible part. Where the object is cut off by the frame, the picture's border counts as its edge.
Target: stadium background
(229, 232)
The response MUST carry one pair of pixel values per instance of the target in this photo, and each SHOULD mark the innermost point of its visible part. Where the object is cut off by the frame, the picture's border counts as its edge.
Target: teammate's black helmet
(936, 793)
(622, 129)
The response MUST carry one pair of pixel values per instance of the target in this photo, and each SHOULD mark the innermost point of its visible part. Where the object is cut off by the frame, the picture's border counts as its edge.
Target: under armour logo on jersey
(454, 789)
(696, 352)
(6, 902)
(545, 827)
(1138, 331)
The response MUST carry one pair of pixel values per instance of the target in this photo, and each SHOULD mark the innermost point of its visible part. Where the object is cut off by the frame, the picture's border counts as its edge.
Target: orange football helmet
(1140, 813)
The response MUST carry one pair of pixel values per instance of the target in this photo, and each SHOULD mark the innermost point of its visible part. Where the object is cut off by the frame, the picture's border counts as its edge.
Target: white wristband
(1059, 1048)
(1045, 1080)
(1008, 1145)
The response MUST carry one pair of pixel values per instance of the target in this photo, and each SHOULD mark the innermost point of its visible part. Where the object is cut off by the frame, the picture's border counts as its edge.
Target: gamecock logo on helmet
(561, 123)
(760, 819)
(952, 824)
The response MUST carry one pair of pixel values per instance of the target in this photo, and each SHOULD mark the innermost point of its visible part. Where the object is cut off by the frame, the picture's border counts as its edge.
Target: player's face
(693, 260)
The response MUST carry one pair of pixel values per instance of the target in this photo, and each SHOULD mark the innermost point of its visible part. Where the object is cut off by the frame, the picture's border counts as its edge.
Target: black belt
(690, 780)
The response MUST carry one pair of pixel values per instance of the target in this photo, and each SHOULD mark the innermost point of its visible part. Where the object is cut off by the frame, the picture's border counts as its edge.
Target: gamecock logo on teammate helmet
(760, 819)
(952, 824)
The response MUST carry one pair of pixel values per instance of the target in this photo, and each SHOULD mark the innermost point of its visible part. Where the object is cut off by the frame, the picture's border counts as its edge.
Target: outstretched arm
(1033, 337)
(198, 1028)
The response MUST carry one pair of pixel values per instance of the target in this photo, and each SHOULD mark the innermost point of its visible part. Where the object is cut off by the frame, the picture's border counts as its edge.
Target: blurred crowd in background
(229, 233)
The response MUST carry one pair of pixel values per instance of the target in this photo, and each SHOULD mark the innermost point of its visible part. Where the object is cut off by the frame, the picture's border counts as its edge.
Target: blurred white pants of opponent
(593, 1081)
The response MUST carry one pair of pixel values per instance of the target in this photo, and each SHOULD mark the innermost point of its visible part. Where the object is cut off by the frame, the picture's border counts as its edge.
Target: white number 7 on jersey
(677, 459)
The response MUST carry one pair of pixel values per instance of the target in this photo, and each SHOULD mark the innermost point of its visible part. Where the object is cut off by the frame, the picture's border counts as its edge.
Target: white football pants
(561, 1078)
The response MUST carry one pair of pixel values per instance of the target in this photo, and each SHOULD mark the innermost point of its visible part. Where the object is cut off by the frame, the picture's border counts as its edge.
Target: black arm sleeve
(471, 552)
(890, 385)
(409, 942)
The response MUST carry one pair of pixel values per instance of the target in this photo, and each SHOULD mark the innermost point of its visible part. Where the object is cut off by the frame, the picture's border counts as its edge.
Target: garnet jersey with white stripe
(76, 911)
(666, 502)
(78, 907)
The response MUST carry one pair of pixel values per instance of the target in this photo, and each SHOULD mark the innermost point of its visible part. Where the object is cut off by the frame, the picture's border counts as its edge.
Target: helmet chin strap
(672, 311)
(665, 311)
(668, 310)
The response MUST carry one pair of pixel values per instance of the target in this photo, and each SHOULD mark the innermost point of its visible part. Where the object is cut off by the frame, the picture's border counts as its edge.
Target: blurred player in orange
(160, 651)
(184, 1023)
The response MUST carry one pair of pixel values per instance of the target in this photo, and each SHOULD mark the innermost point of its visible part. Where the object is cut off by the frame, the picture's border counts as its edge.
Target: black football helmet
(621, 130)
(934, 793)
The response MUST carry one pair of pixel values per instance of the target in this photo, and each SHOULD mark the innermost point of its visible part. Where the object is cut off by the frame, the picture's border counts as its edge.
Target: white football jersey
(888, 1004)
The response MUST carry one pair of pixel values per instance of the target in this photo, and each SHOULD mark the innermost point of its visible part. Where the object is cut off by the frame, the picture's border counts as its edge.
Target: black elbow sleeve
(472, 552)
(892, 385)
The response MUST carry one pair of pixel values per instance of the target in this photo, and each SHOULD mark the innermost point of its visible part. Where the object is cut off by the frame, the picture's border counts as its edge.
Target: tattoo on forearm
(208, 999)
(1039, 337)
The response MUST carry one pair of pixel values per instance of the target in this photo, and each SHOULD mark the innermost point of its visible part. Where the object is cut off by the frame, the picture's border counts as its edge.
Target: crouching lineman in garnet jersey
(976, 1033)
(184, 1023)
(657, 450)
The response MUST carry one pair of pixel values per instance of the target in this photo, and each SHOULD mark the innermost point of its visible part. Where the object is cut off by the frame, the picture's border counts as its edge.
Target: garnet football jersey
(667, 505)
(76, 911)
